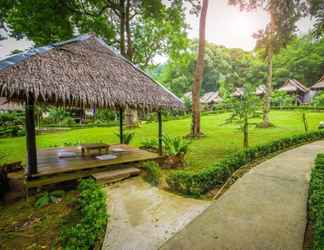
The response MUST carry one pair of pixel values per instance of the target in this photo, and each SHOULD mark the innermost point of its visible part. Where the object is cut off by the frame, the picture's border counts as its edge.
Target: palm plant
(127, 137)
(175, 146)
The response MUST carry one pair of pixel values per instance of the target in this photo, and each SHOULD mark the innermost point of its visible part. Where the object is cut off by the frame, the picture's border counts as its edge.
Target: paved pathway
(265, 209)
(144, 217)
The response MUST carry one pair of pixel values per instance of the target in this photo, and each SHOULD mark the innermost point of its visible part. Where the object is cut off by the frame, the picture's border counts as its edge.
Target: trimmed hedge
(316, 202)
(93, 218)
(197, 183)
(153, 173)
(302, 108)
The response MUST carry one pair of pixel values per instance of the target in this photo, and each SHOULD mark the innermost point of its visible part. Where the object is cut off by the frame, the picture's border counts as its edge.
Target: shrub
(316, 202)
(149, 144)
(47, 198)
(93, 214)
(127, 137)
(197, 183)
(153, 173)
(281, 98)
(318, 100)
(175, 145)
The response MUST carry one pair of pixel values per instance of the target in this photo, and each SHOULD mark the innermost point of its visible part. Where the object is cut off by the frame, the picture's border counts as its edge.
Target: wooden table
(87, 148)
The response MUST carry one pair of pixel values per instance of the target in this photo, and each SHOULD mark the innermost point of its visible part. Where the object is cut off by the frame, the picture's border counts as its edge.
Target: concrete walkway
(144, 217)
(265, 209)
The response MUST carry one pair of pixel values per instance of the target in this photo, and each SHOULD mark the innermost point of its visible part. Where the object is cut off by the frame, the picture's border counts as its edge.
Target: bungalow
(239, 92)
(211, 98)
(295, 88)
(260, 90)
(319, 85)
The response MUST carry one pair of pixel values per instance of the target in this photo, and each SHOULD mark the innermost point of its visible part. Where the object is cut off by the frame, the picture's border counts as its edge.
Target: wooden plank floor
(50, 164)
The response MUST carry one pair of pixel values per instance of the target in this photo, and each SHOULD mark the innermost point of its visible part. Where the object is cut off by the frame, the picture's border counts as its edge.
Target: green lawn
(220, 139)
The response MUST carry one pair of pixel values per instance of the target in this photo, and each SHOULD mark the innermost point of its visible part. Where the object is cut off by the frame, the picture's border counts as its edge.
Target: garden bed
(200, 182)
(314, 237)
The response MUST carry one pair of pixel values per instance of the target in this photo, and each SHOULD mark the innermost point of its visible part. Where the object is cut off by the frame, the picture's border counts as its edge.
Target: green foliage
(188, 103)
(302, 59)
(48, 198)
(152, 27)
(317, 12)
(281, 98)
(105, 115)
(149, 144)
(153, 173)
(12, 124)
(175, 145)
(93, 214)
(59, 117)
(127, 137)
(318, 100)
(316, 202)
(197, 183)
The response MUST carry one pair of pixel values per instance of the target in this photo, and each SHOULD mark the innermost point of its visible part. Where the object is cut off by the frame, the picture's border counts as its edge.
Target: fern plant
(175, 145)
(127, 137)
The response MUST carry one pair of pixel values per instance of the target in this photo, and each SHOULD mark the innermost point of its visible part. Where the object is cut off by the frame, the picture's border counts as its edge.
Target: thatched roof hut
(293, 86)
(238, 92)
(211, 98)
(319, 85)
(261, 90)
(82, 72)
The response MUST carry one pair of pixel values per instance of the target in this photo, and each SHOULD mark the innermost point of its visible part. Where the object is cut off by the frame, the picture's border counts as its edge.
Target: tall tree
(317, 11)
(195, 130)
(281, 28)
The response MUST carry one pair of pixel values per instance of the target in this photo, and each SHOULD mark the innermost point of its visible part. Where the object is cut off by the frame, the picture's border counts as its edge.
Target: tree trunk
(122, 17)
(195, 132)
(131, 118)
(268, 93)
(128, 33)
(246, 132)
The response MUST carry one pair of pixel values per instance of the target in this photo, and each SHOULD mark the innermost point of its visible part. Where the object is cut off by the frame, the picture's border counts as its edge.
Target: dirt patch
(22, 226)
(308, 237)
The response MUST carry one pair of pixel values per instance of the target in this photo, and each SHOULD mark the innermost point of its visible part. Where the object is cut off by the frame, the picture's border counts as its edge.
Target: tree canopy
(139, 29)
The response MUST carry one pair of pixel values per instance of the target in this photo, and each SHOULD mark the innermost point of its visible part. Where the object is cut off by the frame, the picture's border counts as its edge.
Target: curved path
(265, 209)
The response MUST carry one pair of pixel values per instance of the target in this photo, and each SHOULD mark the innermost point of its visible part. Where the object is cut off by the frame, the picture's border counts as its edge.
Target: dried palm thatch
(319, 85)
(82, 72)
(292, 86)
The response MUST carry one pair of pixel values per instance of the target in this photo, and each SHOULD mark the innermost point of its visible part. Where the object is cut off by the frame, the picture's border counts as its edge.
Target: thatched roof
(82, 71)
(293, 85)
(188, 95)
(211, 97)
(238, 92)
(319, 85)
(260, 90)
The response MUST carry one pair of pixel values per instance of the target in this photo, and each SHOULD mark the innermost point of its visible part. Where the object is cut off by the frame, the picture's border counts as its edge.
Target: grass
(220, 139)
(23, 226)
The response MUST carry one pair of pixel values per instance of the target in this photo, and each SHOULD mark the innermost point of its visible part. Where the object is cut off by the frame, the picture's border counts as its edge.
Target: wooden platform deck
(52, 169)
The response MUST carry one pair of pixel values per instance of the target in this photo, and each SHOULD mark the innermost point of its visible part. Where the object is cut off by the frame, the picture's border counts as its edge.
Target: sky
(226, 25)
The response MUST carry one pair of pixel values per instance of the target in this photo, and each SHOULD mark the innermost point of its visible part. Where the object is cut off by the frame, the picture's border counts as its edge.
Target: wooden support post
(30, 138)
(160, 132)
(121, 133)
